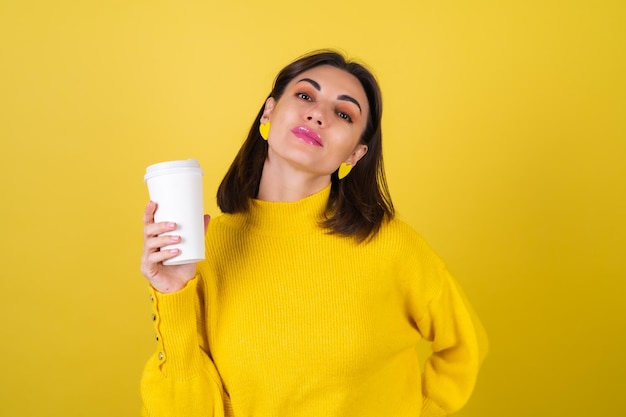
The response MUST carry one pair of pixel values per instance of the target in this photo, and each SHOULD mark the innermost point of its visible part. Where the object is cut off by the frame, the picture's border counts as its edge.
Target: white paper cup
(176, 186)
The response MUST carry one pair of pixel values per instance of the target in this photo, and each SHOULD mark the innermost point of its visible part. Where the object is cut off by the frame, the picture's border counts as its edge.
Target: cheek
(284, 114)
(353, 138)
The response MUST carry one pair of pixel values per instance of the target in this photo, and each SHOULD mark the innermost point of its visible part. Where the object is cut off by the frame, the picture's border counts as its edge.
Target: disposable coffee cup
(176, 187)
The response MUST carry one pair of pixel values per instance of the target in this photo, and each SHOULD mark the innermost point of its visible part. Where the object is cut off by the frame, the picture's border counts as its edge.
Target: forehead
(334, 81)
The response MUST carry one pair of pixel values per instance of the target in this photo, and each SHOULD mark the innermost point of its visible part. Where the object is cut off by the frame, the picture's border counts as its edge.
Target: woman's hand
(164, 278)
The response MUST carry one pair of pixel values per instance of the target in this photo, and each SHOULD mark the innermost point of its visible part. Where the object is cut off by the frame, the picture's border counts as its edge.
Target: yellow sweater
(286, 320)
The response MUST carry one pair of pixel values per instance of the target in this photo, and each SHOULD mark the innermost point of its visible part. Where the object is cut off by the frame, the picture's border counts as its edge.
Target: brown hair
(359, 203)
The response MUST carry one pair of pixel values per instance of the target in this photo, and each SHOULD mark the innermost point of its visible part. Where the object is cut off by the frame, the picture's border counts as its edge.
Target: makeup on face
(307, 135)
(347, 106)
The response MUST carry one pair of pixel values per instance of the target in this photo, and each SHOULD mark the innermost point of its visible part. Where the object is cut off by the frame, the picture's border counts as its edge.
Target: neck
(283, 183)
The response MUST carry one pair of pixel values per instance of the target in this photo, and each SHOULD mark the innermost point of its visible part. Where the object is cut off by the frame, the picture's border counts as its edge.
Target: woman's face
(318, 121)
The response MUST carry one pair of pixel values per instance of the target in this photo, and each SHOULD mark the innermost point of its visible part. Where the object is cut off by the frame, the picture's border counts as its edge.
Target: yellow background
(505, 146)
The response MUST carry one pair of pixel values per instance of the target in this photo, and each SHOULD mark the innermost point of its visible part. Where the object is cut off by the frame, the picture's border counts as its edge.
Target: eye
(304, 96)
(345, 116)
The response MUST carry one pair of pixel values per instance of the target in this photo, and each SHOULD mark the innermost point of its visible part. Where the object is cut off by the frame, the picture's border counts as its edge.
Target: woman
(313, 296)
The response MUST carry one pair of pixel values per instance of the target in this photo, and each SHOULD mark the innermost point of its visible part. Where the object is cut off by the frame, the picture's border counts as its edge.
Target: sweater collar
(285, 218)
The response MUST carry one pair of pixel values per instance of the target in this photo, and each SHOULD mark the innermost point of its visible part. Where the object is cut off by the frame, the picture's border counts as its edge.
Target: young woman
(313, 297)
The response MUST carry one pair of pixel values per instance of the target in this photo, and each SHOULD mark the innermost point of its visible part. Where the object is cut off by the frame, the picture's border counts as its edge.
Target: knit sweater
(285, 319)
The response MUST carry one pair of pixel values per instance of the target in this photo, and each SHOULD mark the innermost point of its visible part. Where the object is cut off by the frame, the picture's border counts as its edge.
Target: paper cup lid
(171, 167)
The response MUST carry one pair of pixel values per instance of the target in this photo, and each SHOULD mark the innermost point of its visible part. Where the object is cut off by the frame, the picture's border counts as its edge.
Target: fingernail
(171, 225)
(174, 238)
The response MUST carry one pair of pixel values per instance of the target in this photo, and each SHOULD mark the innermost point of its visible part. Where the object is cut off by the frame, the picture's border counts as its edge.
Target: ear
(267, 110)
(358, 153)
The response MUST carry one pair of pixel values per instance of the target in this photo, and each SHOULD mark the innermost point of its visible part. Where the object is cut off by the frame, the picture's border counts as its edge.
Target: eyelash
(304, 96)
(345, 116)
(342, 115)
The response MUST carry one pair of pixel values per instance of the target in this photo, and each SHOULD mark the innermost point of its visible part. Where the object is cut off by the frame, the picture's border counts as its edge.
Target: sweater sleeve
(459, 346)
(180, 379)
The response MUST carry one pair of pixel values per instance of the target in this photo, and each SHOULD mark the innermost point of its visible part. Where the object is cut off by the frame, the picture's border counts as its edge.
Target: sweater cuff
(174, 316)
(431, 409)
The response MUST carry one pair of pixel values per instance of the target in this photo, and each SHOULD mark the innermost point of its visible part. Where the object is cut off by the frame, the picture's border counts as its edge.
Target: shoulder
(218, 220)
(223, 231)
(397, 230)
(401, 242)
(420, 270)
(226, 222)
(400, 228)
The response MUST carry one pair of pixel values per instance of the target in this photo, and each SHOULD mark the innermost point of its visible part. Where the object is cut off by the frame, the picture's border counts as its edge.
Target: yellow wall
(505, 147)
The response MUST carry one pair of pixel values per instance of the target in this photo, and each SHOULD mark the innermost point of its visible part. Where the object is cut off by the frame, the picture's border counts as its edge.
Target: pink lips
(307, 135)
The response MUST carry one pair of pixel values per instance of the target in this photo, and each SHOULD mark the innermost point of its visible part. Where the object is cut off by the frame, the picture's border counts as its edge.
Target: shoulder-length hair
(359, 203)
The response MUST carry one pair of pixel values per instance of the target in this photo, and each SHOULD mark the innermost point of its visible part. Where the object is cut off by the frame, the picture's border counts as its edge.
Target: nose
(317, 114)
(318, 121)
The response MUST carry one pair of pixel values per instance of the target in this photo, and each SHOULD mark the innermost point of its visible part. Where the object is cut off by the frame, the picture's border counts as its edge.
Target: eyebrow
(343, 97)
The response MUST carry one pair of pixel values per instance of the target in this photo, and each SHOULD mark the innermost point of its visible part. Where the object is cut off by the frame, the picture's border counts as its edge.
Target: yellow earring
(344, 169)
(264, 129)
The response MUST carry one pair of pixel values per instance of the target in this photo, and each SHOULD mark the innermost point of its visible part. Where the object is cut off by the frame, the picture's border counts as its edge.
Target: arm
(459, 346)
(179, 379)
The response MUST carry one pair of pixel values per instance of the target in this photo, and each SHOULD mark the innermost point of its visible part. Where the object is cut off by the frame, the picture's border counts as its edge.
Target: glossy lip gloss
(307, 135)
